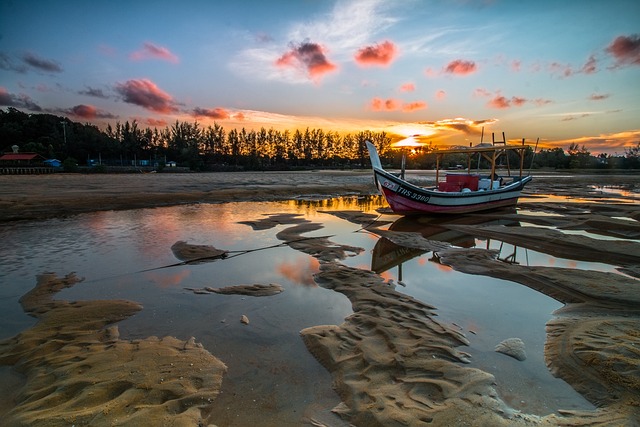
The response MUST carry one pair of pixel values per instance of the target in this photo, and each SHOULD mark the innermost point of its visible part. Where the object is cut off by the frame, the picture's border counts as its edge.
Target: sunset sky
(562, 71)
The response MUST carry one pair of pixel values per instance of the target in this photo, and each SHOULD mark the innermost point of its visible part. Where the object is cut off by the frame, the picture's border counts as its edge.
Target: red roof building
(21, 158)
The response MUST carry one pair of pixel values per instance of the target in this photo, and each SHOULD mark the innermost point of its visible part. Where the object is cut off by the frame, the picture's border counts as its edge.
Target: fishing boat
(458, 192)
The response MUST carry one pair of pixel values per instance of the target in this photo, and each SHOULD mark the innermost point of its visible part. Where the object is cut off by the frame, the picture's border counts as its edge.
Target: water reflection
(467, 270)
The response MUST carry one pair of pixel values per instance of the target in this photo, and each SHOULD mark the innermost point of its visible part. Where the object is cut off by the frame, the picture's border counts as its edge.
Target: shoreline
(32, 197)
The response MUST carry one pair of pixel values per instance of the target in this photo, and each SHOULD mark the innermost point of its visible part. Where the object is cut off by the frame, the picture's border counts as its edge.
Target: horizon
(563, 72)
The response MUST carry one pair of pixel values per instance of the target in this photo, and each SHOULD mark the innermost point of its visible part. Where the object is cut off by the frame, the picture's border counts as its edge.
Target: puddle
(271, 374)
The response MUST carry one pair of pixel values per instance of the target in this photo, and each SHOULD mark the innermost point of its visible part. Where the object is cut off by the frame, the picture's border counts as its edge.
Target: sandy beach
(45, 196)
(392, 362)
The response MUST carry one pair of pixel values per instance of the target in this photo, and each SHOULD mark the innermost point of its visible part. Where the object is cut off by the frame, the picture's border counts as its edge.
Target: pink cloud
(88, 112)
(540, 102)
(590, 66)
(440, 95)
(146, 94)
(460, 67)
(309, 58)
(85, 111)
(430, 72)
(378, 104)
(598, 97)
(516, 65)
(380, 54)
(626, 50)
(561, 69)
(407, 87)
(212, 113)
(151, 51)
(414, 106)
(155, 122)
(480, 92)
(239, 116)
(502, 102)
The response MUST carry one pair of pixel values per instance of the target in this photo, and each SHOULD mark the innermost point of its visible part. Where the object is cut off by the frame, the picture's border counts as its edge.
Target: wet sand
(392, 361)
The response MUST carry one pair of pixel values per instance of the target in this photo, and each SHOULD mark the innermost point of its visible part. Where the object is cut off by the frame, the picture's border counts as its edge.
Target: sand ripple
(78, 370)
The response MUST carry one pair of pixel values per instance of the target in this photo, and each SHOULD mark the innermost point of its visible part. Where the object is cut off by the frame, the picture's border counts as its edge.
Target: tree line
(214, 148)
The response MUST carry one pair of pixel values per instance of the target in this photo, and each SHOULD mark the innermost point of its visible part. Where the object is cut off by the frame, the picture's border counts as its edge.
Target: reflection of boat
(388, 254)
(460, 192)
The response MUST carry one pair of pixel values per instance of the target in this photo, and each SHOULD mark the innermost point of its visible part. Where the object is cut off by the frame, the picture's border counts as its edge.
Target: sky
(560, 72)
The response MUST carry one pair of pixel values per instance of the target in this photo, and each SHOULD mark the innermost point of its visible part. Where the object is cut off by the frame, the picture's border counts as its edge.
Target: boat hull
(408, 199)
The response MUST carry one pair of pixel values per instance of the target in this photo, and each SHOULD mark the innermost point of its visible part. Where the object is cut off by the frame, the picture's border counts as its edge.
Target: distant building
(22, 159)
(54, 163)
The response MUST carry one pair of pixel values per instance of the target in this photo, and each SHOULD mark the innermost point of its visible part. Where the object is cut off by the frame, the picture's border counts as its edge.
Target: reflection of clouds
(169, 280)
(300, 271)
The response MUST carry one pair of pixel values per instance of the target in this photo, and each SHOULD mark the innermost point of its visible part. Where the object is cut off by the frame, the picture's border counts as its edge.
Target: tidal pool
(272, 378)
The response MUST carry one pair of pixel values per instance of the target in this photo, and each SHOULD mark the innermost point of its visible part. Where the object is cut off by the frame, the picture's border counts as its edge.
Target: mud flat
(392, 361)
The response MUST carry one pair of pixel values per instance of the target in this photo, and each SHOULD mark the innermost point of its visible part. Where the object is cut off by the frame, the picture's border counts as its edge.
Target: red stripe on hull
(402, 205)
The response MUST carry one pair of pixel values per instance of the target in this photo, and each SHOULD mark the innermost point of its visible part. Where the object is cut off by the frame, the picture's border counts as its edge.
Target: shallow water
(271, 375)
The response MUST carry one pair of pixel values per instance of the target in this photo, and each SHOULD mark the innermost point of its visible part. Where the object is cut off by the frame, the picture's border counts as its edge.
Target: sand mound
(256, 290)
(193, 253)
(78, 371)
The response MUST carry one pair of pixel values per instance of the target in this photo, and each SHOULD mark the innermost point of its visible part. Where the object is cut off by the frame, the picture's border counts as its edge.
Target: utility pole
(64, 131)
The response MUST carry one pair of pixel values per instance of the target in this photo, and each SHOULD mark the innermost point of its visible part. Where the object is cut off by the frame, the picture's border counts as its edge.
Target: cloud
(414, 106)
(155, 122)
(610, 143)
(19, 101)
(590, 66)
(41, 63)
(461, 67)
(7, 64)
(308, 58)
(379, 54)
(541, 101)
(378, 104)
(346, 28)
(466, 126)
(564, 70)
(88, 112)
(152, 51)
(146, 94)
(407, 87)
(501, 102)
(516, 65)
(598, 97)
(95, 92)
(212, 113)
(626, 50)
(441, 94)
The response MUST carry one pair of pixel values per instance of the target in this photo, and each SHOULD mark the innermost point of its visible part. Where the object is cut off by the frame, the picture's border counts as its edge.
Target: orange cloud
(460, 67)
(151, 51)
(309, 58)
(626, 50)
(146, 94)
(407, 87)
(155, 122)
(212, 113)
(378, 104)
(380, 54)
(414, 106)
(298, 272)
(502, 102)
